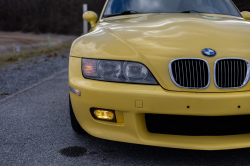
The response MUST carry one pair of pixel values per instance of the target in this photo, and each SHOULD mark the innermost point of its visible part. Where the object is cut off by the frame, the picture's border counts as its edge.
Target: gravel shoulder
(30, 41)
(27, 72)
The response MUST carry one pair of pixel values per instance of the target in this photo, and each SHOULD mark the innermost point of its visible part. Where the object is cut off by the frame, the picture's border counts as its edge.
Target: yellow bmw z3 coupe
(169, 73)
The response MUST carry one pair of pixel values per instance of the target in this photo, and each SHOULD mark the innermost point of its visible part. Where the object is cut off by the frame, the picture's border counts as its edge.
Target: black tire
(74, 123)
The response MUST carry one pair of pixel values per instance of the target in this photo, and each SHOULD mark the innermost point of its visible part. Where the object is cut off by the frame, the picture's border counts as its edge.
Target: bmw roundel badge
(208, 52)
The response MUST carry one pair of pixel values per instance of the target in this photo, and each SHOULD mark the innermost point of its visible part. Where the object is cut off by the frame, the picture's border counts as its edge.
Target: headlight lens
(117, 71)
(134, 70)
(109, 69)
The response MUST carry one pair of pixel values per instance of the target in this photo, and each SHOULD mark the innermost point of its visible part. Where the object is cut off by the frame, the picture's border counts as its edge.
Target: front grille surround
(188, 59)
(247, 76)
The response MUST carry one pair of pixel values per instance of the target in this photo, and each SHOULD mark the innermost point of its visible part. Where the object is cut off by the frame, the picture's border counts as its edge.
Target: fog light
(75, 91)
(102, 114)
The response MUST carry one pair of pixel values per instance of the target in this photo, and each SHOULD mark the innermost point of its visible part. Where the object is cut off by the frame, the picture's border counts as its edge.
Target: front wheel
(74, 123)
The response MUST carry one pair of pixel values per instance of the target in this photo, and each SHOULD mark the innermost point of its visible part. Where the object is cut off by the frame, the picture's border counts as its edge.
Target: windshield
(225, 7)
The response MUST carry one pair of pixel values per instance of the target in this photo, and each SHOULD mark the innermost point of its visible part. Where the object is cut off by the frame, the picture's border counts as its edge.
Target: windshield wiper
(122, 13)
(190, 11)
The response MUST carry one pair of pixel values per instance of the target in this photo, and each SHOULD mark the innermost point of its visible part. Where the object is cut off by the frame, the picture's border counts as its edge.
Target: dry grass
(8, 59)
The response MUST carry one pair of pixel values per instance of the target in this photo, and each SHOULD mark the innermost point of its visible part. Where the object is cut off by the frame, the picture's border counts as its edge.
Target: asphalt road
(35, 130)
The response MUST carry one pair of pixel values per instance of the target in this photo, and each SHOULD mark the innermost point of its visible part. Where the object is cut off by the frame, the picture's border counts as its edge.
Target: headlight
(117, 71)
(134, 70)
(109, 69)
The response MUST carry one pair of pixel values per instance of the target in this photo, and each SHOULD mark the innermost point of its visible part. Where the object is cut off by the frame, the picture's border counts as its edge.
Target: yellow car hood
(156, 39)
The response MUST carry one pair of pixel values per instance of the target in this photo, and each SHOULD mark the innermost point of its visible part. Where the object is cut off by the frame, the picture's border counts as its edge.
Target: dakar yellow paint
(155, 40)
(122, 97)
(90, 17)
(246, 15)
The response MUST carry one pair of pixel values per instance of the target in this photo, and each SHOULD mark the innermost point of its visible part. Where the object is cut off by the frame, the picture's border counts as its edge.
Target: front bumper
(131, 102)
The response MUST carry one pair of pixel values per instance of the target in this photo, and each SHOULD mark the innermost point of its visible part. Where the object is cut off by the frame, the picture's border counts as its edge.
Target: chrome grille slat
(179, 71)
(238, 74)
(242, 72)
(200, 75)
(221, 73)
(176, 72)
(190, 73)
(230, 73)
(204, 77)
(182, 72)
(197, 74)
(228, 77)
(186, 74)
(234, 76)
(225, 68)
(193, 73)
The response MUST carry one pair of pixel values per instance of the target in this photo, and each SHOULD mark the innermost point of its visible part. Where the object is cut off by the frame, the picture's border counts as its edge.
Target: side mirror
(246, 15)
(90, 17)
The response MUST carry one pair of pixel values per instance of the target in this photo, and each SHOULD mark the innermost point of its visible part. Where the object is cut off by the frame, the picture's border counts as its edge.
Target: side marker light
(75, 91)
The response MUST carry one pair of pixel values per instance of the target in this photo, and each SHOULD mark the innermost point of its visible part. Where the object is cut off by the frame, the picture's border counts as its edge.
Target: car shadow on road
(126, 153)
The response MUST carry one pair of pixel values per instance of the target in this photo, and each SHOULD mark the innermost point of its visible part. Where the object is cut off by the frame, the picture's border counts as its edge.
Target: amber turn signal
(75, 91)
(103, 114)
